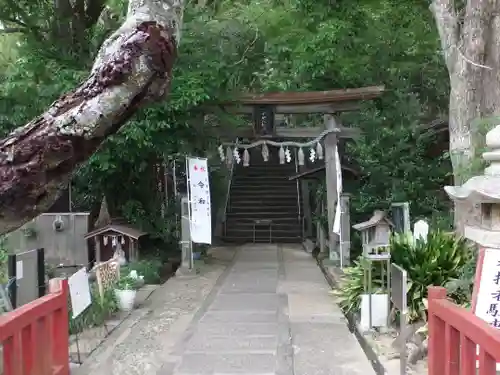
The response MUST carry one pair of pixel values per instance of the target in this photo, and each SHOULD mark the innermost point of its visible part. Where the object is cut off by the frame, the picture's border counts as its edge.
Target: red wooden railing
(454, 334)
(35, 336)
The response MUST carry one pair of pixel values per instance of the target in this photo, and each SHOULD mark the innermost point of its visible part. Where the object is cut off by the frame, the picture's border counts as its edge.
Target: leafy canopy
(229, 47)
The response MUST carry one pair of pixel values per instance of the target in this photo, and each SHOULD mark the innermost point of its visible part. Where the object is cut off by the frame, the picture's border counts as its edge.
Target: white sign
(338, 168)
(199, 201)
(488, 294)
(19, 270)
(79, 292)
(420, 230)
(336, 221)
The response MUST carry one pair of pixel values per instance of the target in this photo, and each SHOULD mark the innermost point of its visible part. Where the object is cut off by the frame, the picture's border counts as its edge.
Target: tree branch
(11, 30)
(134, 66)
(447, 25)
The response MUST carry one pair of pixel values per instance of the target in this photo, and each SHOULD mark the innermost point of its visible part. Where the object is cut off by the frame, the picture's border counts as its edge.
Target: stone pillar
(331, 183)
(186, 244)
(345, 228)
(306, 205)
(322, 239)
(320, 232)
(318, 235)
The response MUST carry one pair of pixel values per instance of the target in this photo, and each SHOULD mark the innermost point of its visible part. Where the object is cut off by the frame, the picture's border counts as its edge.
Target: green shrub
(96, 314)
(127, 283)
(442, 259)
(437, 261)
(149, 268)
(4, 275)
(460, 289)
(352, 286)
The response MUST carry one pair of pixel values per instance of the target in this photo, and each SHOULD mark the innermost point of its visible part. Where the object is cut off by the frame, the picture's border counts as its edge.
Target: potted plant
(125, 292)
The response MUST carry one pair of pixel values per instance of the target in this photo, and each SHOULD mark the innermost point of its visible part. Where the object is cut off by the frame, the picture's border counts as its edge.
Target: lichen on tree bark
(470, 39)
(133, 67)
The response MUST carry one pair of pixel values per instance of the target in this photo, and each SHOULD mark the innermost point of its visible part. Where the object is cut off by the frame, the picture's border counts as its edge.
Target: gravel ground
(389, 356)
(144, 343)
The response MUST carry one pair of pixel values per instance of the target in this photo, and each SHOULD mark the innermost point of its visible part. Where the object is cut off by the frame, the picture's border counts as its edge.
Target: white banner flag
(336, 221)
(199, 201)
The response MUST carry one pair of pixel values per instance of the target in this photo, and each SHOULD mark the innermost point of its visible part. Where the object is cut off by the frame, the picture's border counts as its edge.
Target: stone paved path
(268, 314)
(271, 315)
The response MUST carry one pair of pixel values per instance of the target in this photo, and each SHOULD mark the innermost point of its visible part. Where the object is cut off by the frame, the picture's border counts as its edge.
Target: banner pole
(188, 191)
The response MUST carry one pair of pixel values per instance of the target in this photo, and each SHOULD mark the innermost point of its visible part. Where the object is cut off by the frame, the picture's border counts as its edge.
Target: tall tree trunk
(134, 66)
(470, 39)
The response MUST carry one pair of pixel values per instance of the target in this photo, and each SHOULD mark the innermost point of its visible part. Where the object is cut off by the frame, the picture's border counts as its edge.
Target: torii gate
(266, 108)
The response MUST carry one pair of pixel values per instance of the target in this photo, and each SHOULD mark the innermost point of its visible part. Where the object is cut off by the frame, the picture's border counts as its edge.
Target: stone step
(242, 204)
(276, 221)
(262, 193)
(260, 173)
(243, 240)
(278, 225)
(262, 165)
(257, 206)
(261, 215)
(262, 233)
(263, 181)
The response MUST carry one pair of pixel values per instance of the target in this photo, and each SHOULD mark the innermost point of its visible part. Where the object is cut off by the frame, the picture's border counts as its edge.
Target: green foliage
(234, 46)
(395, 162)
(4, 256)
(477, 163)
(127, 282)
(96, 314)
(439, 261)
(460, 288)
(148, 268)
(353, 286)
(50, 271)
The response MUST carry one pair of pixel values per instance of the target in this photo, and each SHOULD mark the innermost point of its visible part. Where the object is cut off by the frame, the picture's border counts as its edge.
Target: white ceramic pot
(140, 281)
(125, 299)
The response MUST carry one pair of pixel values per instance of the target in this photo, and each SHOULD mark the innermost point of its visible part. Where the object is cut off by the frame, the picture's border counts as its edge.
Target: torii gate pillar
(331, 184)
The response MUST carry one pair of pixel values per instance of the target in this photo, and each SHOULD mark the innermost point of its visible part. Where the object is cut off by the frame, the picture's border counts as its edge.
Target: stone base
(331, 263)
(185, 272)
(308, 246)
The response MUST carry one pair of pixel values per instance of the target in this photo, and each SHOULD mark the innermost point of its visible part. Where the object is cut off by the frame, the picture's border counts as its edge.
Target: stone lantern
(483, 192)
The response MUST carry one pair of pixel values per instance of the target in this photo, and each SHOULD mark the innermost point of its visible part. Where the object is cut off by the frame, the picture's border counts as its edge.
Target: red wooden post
(35, 336)
(28, 349)
(487, 364)
(60, 327)
(467, 356)
(437, 352)
(452, 349)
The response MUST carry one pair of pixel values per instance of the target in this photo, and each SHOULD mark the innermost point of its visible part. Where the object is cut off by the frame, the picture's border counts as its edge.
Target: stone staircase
(263, 204)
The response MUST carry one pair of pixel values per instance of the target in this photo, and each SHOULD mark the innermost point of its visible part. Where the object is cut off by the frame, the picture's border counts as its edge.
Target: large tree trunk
(133, 67)
(470, 40)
